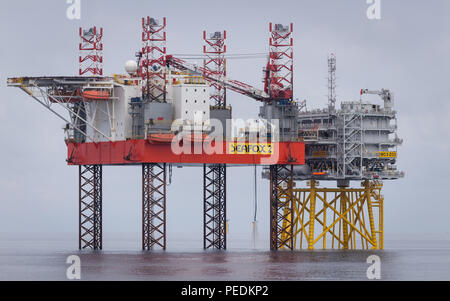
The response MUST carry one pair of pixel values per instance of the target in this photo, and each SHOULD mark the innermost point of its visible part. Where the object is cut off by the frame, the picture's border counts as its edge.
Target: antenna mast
(331, 82)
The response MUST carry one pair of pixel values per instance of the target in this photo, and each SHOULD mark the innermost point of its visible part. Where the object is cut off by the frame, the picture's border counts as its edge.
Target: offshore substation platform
(166, 111)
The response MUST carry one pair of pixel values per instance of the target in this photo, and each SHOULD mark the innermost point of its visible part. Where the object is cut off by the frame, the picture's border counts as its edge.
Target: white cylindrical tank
(131, 67)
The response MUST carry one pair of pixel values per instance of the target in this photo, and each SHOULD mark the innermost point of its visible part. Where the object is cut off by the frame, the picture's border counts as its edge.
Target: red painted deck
(142, 151)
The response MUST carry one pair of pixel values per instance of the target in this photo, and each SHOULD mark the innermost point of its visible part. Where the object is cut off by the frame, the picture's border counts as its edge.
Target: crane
(385, 95)
(274, 106)
(234, 85)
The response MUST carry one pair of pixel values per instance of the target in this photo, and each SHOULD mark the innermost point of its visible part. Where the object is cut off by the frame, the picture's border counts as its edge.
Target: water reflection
(412, 263)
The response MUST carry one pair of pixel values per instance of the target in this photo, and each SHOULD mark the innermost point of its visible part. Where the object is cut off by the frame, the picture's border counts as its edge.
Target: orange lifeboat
(95, 95)
(319, 173)
(160, 138)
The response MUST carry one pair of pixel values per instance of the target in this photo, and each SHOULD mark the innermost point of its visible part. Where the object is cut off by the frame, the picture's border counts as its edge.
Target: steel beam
(90, 207)
(214, 207)
(281, 207)
(154, 206)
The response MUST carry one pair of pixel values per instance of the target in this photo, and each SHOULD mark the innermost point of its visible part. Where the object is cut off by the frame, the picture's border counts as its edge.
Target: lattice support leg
(90, 207)
(281, 207)
(154, 206)
(214, 207)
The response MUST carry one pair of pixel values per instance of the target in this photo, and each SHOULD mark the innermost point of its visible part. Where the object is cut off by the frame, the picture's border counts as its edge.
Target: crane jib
(233, 85)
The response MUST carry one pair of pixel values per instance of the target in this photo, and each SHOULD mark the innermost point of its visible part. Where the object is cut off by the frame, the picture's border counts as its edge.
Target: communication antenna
(331, 82)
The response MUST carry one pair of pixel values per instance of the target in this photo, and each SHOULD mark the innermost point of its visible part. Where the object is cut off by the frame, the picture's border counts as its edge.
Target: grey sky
(406, 51)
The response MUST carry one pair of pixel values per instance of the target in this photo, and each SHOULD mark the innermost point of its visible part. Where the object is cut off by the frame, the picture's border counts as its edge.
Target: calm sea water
(39, 257)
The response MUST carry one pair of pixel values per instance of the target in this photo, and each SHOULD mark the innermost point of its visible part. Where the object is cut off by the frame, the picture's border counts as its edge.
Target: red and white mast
(91, 51)
(215, 63)
(153, 60)
(279, 76)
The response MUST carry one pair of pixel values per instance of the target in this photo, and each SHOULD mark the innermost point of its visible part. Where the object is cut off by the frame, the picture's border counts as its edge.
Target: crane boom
(231, 84)
(385, 95)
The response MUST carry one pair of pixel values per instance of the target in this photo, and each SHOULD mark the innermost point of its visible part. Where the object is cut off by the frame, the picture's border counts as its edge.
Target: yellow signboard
(387, 154)
(251, 148)
(319, 154)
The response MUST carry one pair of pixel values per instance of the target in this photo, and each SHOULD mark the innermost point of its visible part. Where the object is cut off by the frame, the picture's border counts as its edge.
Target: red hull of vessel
(142, 151)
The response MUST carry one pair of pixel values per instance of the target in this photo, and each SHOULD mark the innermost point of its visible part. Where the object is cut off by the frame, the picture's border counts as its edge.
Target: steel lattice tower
(90, 176)
(215, 62)
(153, 206)
(90, 207)
(281, 207)
(91, 51)
(214, 218)
(153, 72)
(153, 61)
(281, 61)
(279, 85)
(331, 82)
(214, 176)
